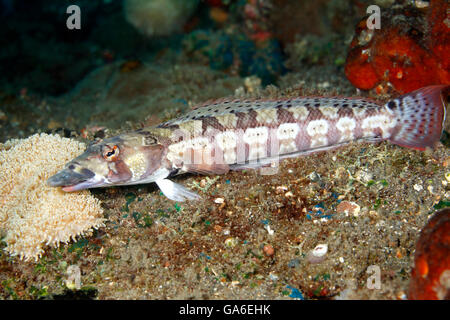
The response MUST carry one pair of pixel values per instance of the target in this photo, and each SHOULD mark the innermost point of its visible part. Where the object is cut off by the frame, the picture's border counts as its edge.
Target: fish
(236, 134)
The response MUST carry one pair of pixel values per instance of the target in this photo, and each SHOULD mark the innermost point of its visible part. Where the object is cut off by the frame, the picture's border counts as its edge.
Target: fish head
(121, 160)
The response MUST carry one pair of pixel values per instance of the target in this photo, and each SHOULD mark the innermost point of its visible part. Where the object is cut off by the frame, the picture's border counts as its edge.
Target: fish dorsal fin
(228, 106)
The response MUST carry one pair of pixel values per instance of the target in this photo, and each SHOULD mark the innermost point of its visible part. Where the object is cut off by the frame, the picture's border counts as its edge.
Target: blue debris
(295, 293)
(319, 211)
(204, 255)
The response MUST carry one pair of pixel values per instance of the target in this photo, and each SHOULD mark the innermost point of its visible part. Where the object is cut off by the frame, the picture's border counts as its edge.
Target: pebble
(231, 242)
(418, 187)
(288, 194)
(273, 276)
(364, 175)
(268, 250)
(314, 176)
(348, 207)
(281, 189)
(219, 200)
(421, 4)
(323, 85)
(373, 213)
(269, 230)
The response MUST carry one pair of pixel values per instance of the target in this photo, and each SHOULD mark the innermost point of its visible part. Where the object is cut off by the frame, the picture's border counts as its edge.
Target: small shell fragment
(320, 250)
(280, 189)
(219, 200)
(317, 254)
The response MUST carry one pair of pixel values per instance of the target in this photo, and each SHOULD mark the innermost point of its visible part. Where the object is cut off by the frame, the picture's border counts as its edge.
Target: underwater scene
(225, 149)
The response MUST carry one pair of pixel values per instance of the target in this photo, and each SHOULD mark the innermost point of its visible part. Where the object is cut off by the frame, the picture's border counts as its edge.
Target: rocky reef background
(367, 203)
(43, 64)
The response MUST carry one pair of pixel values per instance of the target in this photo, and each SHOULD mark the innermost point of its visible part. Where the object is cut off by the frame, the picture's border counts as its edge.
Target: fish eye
(110, 153)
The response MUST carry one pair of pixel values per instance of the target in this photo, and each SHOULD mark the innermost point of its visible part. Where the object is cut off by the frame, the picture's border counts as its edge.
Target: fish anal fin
(176, 192)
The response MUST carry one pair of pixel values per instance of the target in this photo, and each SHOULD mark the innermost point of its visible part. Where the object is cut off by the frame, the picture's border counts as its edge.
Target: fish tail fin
(420, 117)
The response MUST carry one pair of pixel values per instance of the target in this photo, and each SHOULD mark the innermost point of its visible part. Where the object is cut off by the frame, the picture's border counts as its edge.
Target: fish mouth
(70, 180)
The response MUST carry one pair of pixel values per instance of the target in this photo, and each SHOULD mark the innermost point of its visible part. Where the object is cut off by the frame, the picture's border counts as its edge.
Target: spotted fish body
(234, 134)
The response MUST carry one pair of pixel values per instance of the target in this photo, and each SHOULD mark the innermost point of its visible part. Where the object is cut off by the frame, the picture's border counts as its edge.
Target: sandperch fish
(233, 134)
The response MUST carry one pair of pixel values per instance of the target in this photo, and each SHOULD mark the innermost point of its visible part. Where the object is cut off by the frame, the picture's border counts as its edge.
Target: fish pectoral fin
(176, 192)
